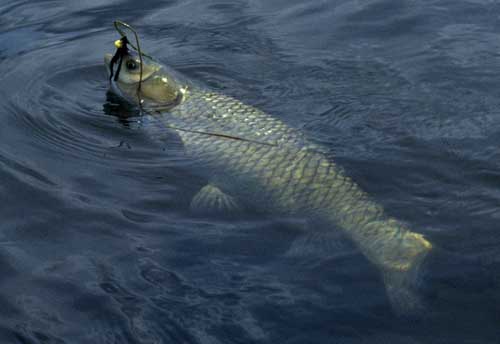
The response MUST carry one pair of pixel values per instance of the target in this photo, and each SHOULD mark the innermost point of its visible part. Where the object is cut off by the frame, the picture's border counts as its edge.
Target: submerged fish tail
(388, 243)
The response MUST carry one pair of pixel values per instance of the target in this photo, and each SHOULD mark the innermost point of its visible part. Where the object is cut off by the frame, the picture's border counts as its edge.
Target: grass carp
(252, 156)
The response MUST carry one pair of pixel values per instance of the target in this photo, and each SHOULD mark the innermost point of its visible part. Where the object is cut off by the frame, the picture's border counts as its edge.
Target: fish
(252, 157)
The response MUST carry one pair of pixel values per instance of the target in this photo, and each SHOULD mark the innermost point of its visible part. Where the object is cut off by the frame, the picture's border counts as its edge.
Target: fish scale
(291, 148)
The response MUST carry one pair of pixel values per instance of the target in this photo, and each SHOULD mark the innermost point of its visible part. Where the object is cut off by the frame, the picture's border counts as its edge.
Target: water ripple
(97, 245)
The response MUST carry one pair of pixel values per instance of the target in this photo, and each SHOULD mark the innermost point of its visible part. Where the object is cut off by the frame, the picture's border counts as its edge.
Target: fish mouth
(107, 61)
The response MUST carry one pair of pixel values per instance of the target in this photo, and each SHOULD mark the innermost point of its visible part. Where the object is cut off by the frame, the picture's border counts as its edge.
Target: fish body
(252, 156)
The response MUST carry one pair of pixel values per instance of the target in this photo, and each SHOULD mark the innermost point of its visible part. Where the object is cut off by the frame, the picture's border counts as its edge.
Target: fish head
(155, 87)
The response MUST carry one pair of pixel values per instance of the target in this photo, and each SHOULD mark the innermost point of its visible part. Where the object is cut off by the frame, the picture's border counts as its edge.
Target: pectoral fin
(211, 200)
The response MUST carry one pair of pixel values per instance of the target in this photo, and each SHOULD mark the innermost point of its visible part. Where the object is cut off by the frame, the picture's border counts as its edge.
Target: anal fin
(211, 200)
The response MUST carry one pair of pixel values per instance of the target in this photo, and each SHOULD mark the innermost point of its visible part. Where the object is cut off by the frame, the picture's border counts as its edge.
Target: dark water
(96, 244)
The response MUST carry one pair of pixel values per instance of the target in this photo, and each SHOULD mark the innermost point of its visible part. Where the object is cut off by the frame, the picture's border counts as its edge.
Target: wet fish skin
(275, 168)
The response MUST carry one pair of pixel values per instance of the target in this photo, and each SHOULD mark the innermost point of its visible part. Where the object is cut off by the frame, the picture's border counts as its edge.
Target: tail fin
(402, 288)
(401, 262)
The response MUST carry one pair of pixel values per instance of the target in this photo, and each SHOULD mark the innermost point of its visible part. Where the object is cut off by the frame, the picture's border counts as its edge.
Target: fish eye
(131, 65)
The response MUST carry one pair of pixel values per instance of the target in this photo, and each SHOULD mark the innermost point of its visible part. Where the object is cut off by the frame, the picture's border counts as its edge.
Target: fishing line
(224, 136)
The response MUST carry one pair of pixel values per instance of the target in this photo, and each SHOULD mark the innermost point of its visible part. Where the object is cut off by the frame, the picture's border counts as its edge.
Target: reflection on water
(97, 244)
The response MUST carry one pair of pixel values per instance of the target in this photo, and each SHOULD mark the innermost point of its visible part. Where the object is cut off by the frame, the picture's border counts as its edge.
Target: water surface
(97, 245)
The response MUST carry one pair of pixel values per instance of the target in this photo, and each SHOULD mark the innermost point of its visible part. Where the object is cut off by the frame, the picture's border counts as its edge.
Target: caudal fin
(403, 280)
(402, 289)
